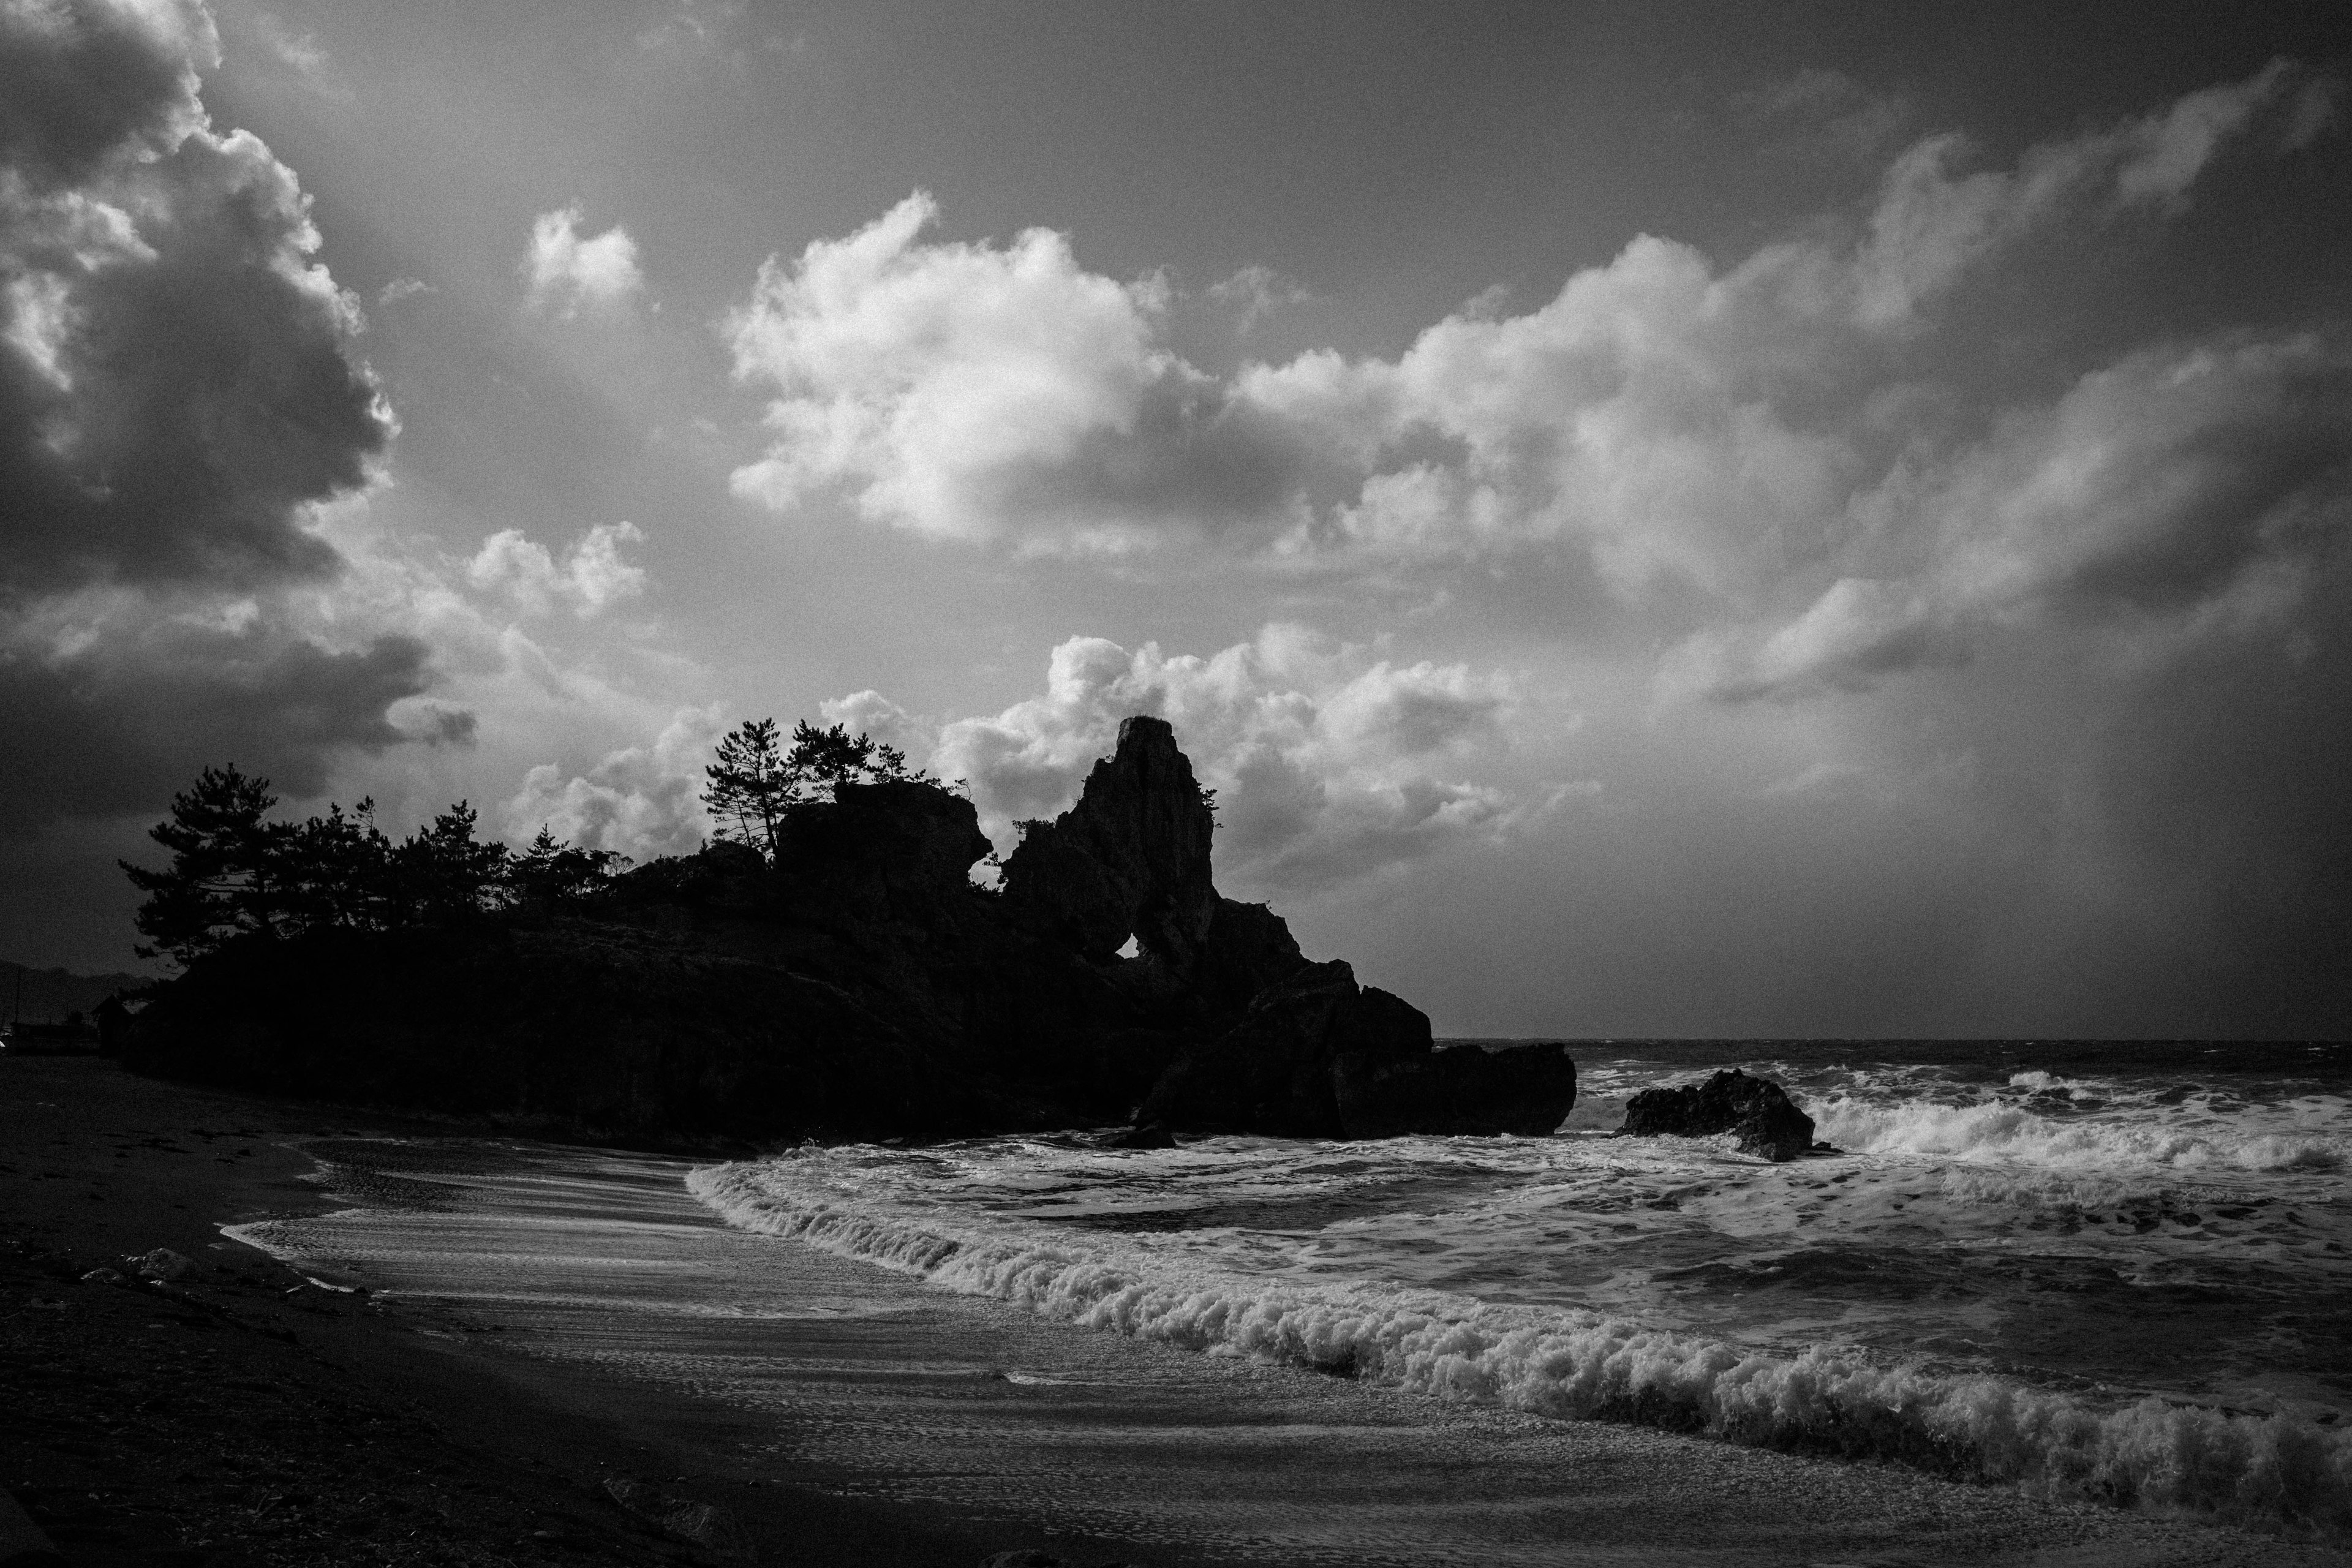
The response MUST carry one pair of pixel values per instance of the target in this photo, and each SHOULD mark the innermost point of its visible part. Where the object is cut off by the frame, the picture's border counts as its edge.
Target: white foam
(2314, 1133)
(2277, 1471)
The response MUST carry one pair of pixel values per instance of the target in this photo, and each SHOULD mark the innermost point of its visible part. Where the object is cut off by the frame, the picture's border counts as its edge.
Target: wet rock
(163, 1263)
(1757, 1111)
(103, 1276)
(1148, 1135)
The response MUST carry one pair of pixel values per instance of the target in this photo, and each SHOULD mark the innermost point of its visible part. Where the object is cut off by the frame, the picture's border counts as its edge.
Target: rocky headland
(862, 985)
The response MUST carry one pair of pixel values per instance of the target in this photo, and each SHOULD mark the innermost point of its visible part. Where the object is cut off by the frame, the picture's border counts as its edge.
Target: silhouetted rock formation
(1756, 1110)
(1130, 858)
(1318, 1056)
(864, 987)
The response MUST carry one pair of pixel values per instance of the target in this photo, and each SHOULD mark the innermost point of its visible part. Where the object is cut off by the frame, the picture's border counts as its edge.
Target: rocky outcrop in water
(1757, 1111)
(865, 987)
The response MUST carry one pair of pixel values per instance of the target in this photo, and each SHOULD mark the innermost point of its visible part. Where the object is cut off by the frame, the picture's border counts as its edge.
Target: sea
(2120, 1272)
(2117, 1276)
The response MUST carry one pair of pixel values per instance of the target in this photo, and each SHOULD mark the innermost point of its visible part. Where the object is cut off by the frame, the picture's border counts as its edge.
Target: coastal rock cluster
(1755, 1112)
(864, 985)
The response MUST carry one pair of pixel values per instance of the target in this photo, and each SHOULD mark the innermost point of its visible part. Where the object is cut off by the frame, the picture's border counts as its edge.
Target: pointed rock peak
(1132, 855)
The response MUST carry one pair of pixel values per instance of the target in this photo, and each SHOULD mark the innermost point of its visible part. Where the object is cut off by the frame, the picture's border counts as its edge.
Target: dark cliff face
(865, 988)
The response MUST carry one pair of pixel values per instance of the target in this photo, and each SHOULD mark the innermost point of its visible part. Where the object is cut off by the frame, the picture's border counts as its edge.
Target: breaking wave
(2048, 1121)
(2282, 1472)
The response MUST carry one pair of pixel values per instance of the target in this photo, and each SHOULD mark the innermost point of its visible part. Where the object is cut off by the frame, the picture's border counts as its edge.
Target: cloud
(1664, 423)
(640, 801)
(117, 720)
(175, 380)
(1933, 221)
(1257, 292)
(302, 54)
(82, 87)
(976, 392)
(1630, 414)
(570, 276)
(591, 577)
(400, 288)
(179, 400)
(871, 714)
(1328, 764)
(2201, 488)
(1816, 113)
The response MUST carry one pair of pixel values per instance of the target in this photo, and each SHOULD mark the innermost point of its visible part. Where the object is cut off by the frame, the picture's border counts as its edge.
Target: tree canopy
(755, 783)
(235, 873)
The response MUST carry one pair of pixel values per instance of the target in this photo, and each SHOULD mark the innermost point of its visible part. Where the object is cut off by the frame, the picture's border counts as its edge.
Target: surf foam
(2300, 1136)
(2279, 1472)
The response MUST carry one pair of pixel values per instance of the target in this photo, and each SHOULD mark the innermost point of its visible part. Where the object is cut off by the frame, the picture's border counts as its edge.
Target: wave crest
(2008, 1130)
(2282, 1473)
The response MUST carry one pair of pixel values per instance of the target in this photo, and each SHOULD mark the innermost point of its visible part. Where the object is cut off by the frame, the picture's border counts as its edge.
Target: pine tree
(750, 789)
(226, 878)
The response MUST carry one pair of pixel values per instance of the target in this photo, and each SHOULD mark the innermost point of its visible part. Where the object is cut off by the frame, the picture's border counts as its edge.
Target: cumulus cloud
(1675, 424)
(570, 276)
(875, 716)
(1328, 763)
(639, 801)
(82, 87)
(175, 379)
(178, 398)
(590, 578)
(982, 393)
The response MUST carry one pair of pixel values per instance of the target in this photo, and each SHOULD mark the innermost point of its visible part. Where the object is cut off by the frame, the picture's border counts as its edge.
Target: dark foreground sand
(229, 1422)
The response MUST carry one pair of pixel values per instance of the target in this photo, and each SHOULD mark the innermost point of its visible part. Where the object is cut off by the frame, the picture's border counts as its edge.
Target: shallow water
(877, 1383)
(2118, 1277)
(2089, 1287)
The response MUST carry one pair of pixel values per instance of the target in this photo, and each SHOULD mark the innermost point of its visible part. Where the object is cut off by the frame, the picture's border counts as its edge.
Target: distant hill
(51, 994)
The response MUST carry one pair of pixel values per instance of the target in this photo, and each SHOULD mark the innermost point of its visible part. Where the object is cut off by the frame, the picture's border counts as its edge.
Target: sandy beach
(521, 1342)
(241, 1416)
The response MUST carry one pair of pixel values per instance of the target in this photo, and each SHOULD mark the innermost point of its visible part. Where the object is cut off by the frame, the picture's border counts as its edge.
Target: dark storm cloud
(117, 733)
(176, 389)
(175, 384)
(82, 85)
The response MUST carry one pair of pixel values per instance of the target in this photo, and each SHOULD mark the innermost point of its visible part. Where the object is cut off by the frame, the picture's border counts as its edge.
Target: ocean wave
(2279, 1472)
(2183, 1137)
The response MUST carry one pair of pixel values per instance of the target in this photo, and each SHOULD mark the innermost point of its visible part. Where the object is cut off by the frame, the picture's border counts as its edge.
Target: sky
(1812, 520)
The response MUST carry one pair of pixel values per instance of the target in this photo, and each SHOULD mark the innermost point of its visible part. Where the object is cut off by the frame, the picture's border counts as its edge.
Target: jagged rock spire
(1131, 858)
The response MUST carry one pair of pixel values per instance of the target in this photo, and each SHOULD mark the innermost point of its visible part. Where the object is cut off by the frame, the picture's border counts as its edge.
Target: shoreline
(407, 1376)
(241, 1416)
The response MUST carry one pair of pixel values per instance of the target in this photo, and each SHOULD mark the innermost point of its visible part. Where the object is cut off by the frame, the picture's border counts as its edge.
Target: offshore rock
(1318, 1056)
(1755, 1110)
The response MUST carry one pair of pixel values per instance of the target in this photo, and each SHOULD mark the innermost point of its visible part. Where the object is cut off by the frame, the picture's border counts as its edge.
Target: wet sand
(222, 1422)
(560, 1314)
